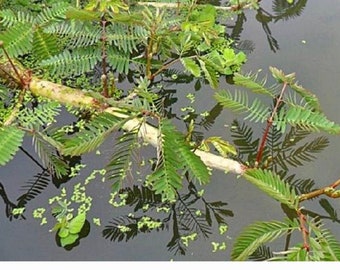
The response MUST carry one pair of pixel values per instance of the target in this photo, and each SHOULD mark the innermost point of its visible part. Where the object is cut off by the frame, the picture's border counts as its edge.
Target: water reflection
(191, 216)
(281, 11)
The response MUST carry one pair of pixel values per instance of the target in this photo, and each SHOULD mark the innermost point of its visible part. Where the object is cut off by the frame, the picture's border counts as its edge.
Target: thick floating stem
(78, 98)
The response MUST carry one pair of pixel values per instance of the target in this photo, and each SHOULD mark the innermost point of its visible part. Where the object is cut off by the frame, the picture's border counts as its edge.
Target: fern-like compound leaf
(11, 138)
(166, 180)
(80, 34)
(44, 45)
(210, 73)
(78, 62)
(43, 114)
(272, 185)
(18, 39)
(323, 246)
(121, 161)
(306, 119)
(191, 66)
(9, 18)
(257, 234)
(118, 60)
(53, 14)
(239, 103)
(310, 98)
(93, 135)
(123, 38)
(250, 82)
(46, 148)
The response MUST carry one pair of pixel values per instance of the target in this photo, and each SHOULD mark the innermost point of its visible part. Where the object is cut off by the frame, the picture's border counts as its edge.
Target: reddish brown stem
(20, 78)
(105, 92)
(269, 124)
(304, 231)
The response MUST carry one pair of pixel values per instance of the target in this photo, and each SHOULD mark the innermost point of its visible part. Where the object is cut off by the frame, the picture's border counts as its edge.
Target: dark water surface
(307, 44)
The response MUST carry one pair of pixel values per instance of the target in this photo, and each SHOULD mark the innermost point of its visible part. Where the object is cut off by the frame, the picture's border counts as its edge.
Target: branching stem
(20, 78)
(321, 191)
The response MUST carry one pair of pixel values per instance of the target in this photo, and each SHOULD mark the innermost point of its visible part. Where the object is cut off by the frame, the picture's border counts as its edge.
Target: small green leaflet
(191, 66)
(11, 138)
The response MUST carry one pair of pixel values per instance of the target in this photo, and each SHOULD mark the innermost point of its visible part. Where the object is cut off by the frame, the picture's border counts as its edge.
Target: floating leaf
(77, 223)
(63, 232)
(70, 239)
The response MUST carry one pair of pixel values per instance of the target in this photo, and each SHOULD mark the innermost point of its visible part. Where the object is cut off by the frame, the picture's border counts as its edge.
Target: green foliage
(324, 247)
(307, 119)
(253, 83)
(94, 134)
(307, 116)
(24, 32)
(258, 233)
(166, 179)
(79, 62)
(11, 139)
(35, 117)
(272, 185)
(239, 102)
(223, 147)
(68, 230)
(121, 162)
(46, 148)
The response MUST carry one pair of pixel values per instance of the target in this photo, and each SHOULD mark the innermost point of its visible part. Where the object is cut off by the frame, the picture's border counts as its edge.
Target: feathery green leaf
(239, 103)
(44, 45)
(166, 180)
(18, 39)
(249, 81)
(257, 234)
(75, 63)
(120, 163)
(272, 185)
(305, 118)
(94, 133)
(11, 138)
(190, 65)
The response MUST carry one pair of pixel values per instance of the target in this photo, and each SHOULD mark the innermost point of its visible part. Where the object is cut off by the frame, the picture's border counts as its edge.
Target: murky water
(308, 44)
